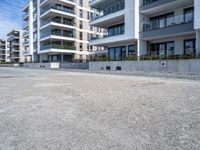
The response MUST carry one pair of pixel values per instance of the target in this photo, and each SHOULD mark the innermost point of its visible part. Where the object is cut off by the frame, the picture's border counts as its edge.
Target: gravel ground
(66, 110)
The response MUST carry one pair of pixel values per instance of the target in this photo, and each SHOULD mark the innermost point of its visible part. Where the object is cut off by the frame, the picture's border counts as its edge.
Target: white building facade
(139, 28)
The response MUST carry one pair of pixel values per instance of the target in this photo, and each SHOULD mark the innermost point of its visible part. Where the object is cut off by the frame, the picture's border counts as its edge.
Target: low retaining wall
(9, 65)
(42, 65)
(75, 65)
(172, 66)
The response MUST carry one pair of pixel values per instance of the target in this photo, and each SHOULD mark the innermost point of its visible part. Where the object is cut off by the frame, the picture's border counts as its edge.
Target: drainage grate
(108, 68)
(118, 68)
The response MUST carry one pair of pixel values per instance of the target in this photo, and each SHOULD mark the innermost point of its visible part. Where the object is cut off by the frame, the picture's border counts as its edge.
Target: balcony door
(189, 47)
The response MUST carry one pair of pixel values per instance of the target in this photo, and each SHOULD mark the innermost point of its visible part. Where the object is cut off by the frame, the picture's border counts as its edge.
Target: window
(116, 30)
(81, 46)
(81, 25)
(88, 15)
(166, 48)
(162, 21)
(188, 15)
(81, 13)
(189, 47)
(81, 36)
(117, 53)
(132, 50)
(81, 3)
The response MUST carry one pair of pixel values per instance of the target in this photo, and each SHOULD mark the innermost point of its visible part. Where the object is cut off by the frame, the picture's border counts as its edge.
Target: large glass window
(162, 21)
(189, 47)
(116, 30)
(170, 48)
(166, 48)
(189, 15)
(117, 53)
(111, 53)
(132, 50)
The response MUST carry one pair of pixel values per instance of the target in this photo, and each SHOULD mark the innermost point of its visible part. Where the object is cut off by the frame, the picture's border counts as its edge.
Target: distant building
(57, 31)
(4, 54)
(15, 46)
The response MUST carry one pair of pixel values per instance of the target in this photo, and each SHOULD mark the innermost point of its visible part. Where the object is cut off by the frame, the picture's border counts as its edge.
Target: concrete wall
(173, 66)
(6, 65)
(74, 65)
(57, 65)
(42, 65)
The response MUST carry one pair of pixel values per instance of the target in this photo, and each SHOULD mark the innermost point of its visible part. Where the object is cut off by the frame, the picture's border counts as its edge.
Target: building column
(141, 48)
(198, 43)
(31, 30)
(62, 58)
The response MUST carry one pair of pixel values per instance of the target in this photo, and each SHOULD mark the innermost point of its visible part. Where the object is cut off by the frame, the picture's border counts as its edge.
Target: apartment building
(119, 20)
(57, 31)
(169, 27)
(147, 27)
(15, 46)
(3, 51)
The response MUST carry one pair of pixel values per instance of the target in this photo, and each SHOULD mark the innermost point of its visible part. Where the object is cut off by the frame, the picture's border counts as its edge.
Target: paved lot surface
(61, 110)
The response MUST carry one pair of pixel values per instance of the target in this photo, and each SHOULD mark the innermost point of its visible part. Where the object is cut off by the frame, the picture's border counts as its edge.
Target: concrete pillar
(196, 14)
(61, 57)
(38, 26)
(31, 29)
(198, 43)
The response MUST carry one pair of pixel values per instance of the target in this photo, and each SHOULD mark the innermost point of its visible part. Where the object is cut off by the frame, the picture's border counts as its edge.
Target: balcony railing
(117, 7)
(151, 56)
(146, 2)
(46, 34)
(56, 46)
(41, 1)
(71, 11)
(169, 22)
(61, 21)
(106, 35)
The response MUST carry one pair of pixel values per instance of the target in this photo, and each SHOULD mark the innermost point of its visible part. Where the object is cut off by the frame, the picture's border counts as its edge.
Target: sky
(10, 16)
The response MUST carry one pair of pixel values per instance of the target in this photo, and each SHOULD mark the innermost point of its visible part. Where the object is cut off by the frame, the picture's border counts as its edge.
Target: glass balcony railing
(146, 2)
(55, 33)
(61, 21)
(41, 1)
(166, 22)
(115, 8)
(60, 8)
(57, 46)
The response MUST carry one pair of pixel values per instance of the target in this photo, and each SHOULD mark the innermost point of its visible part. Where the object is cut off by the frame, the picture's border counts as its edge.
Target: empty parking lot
(62, 110)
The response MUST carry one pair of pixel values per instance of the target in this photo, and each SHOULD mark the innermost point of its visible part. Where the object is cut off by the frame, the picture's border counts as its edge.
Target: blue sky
(10, 15)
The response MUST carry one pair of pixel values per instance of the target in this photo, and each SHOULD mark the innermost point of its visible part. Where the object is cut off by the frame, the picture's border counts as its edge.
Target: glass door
(162, 49)
(189, 47)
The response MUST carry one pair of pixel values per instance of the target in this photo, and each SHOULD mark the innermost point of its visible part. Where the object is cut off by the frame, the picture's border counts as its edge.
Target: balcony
(73, 2)
(103, 18)
(57, 9)
(176, 26)
(25, 16)
(56, 46)
(156, 6)
(57, 22)
(65, 35)
(95, 2)
(25, 34)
